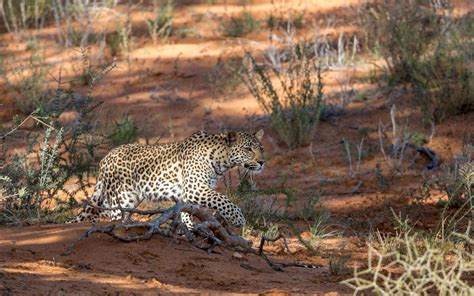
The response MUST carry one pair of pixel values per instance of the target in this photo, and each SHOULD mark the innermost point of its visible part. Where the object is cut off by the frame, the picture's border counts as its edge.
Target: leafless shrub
(421, 269)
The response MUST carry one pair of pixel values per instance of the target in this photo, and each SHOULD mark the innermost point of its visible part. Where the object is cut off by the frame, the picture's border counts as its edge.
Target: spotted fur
(186, 171)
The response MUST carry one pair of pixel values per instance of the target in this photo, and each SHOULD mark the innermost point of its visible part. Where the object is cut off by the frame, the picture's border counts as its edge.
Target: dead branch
(209, 230)
(435, 160)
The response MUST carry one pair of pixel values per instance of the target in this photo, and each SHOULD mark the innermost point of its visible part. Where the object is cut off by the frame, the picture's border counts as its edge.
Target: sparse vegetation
(162, 24)
(418, 262)
(240, 25)
(65, 154)
(427, 46)
(421, 269)
(20, 15)
(278, 20)
(295, 106)
(225, 75)
(26, 82)
(457, 179)
(320, 228)
(366, 108)
(338, 265)
(124, 131)
(260, 207)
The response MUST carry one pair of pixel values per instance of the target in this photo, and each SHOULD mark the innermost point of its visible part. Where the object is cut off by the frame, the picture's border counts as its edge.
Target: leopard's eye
(249, 149)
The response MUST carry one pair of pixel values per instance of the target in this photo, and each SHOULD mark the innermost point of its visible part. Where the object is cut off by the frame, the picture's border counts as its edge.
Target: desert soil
(165, 89)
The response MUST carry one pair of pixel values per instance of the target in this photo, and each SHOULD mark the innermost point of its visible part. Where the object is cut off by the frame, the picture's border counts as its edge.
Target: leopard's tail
(90, 213)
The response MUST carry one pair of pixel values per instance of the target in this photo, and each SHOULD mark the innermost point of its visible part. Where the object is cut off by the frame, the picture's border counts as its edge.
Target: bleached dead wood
(208, 234)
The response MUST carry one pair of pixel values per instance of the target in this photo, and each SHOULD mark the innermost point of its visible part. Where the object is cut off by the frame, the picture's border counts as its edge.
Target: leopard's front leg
(214, 200)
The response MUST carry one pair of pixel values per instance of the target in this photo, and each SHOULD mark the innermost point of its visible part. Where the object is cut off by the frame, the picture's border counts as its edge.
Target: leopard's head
(246, 150)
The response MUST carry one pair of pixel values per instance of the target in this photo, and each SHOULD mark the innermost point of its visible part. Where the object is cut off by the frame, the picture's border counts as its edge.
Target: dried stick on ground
(208, 233)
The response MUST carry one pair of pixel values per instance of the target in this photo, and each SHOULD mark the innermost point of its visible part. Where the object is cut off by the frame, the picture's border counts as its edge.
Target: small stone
(237, 255)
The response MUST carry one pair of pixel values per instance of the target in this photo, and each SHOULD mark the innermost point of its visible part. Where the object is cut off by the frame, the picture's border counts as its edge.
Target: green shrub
(401, 31)
(428, 47)
(296, 106)
(240, 25)
(24, 186)
(444, 85)
(44, 188)
(124, 131)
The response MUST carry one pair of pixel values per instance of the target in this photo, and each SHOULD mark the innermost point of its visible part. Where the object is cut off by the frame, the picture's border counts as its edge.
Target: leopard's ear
(259, 134)
(231, 138)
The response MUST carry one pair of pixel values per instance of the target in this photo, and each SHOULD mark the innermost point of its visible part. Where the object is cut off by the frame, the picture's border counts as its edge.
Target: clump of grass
(26, 83)
(124, 131)
(161, 25)
(240, 25)
(320, 228)
(295, 102)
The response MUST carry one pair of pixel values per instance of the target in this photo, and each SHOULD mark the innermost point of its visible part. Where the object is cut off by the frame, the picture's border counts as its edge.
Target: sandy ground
(31, 262)
(166, 89)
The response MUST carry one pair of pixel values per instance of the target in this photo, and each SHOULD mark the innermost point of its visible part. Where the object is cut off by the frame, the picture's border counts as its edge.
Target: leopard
(184, 171)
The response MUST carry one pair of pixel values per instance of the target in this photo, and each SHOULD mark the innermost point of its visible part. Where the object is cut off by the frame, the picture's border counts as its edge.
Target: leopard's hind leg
(122, 197)
(91, 213)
